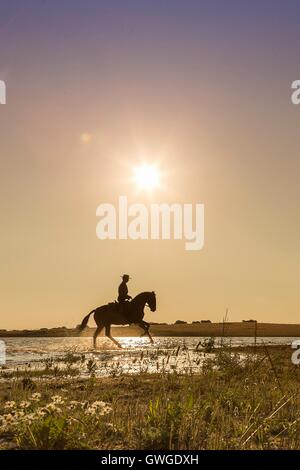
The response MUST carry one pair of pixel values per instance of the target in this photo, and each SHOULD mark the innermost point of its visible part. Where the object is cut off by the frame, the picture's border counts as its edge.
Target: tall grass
(239, 401)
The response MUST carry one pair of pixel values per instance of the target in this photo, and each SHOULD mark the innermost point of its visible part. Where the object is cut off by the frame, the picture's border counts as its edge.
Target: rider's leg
(124, 311)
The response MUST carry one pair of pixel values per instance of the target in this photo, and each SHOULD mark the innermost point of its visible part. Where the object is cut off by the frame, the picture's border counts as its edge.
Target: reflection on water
(138, 354)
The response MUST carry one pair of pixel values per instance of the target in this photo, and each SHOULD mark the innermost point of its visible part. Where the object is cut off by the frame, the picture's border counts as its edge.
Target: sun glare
(147, 176)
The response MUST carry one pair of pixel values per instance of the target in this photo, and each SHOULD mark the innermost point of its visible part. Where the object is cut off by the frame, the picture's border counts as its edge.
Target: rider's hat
(125, 276)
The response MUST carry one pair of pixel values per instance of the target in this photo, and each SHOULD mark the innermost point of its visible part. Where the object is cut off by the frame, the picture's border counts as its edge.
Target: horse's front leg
(145, 326)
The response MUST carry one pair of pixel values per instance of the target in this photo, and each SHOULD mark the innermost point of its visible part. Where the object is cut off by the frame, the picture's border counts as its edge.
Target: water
(138, 354)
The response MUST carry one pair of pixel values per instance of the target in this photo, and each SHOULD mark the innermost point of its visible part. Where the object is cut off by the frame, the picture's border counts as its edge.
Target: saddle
(123, 309)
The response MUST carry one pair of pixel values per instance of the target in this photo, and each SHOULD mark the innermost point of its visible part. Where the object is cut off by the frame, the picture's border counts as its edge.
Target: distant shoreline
(230, 329)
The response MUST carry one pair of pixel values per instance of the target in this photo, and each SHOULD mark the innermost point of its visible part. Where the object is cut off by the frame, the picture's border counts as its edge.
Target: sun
(147, 176)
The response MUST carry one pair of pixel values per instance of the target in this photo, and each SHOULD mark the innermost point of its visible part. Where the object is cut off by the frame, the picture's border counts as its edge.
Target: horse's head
(151, 301)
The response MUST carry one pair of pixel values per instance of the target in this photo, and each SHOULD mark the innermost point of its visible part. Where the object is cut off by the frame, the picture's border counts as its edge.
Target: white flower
(57, 399)
(9, 418)
(25, 404)
(73, 404)
(29, 418)
(10, 405)
(35, 397)
(99, 407)
(71, 420)
(112, 427)
(99, 404)
(52, 407)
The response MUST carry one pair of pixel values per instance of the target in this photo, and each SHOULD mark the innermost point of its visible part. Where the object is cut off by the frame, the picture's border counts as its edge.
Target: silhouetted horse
(110, 314)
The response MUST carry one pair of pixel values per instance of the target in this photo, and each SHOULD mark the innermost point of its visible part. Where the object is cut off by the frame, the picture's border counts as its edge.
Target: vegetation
(242, 399)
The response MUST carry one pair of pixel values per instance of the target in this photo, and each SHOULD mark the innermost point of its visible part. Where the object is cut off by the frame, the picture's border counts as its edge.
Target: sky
(200, 88)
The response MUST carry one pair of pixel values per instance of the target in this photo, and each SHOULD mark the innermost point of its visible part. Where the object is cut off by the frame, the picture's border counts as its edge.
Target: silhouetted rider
(123, 293)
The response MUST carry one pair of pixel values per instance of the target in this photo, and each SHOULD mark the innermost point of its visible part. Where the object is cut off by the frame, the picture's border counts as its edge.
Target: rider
(123, 296)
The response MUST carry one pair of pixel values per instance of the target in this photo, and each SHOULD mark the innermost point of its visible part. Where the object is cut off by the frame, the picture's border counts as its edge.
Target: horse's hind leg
(107, 332)
(98, 330)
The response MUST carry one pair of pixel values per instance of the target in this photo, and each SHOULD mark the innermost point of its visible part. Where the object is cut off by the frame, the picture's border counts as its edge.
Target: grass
(240, 400)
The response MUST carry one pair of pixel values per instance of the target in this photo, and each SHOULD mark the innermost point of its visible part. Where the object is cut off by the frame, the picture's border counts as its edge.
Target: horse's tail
(85, 322)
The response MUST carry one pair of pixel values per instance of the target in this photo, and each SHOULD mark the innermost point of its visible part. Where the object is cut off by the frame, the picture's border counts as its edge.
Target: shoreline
(230, 329)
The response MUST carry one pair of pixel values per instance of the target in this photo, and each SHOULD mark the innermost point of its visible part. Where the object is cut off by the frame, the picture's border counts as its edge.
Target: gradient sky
(202, 88)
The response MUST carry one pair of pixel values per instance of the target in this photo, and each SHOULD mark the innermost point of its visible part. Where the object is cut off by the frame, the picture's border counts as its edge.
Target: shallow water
(138, 354)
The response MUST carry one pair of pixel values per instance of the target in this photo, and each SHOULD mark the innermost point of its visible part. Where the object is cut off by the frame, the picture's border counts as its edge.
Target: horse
(110, 314)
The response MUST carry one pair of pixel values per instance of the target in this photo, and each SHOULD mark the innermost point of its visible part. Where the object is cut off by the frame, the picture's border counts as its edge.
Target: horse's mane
(142, 294)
